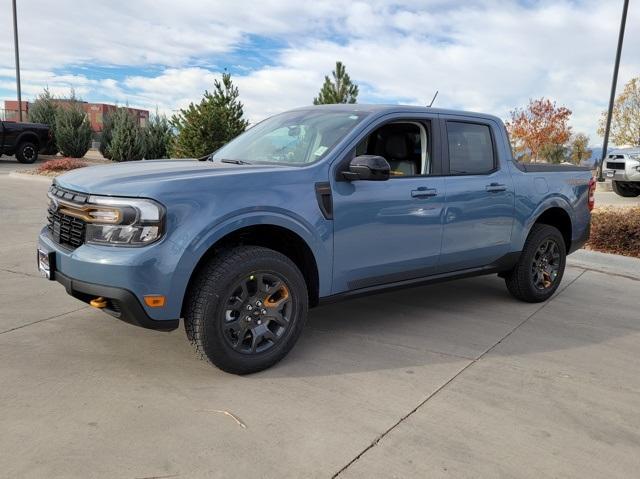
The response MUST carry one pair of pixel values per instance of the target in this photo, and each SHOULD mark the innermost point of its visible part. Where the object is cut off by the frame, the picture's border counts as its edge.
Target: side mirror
(367, 167)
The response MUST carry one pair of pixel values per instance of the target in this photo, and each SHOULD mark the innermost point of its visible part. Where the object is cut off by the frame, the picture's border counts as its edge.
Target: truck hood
(142, 178)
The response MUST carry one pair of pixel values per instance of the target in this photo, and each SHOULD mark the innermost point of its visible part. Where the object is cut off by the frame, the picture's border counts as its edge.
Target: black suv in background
(24, 140)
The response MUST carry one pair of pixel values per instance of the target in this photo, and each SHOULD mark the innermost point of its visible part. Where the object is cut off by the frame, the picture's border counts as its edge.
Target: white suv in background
(622, 167)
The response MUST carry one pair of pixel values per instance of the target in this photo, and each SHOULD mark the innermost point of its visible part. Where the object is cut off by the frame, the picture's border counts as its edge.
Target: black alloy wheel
(27, 152)
(246, 308)
(546, 264)
(539, 270)
(257, 313)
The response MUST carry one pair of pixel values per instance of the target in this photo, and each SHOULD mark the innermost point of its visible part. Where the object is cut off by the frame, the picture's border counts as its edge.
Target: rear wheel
(246, 309)
(625, 189)
(27, 152)
(540, 268)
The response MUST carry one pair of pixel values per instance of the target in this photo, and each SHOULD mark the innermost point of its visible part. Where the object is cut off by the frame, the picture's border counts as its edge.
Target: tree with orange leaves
(537, 127)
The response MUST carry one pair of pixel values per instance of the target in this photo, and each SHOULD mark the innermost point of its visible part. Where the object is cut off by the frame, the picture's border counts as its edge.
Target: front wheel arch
(277, 238)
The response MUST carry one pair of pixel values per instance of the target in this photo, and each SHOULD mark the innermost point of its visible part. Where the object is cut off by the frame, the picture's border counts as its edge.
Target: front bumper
(121, 303)
(123, 276)
(628, 174)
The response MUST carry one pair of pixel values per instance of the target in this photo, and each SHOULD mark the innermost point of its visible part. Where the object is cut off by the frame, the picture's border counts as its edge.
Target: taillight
(592, 193)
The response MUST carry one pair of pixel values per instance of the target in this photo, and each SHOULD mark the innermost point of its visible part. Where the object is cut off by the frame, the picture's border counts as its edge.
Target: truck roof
(382, 109)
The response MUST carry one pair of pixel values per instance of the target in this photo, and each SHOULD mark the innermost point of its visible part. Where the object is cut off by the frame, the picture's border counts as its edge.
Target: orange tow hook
(98, 302)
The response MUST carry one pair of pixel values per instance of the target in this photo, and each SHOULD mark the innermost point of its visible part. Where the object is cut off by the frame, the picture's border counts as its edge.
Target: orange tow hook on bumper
(98, 302)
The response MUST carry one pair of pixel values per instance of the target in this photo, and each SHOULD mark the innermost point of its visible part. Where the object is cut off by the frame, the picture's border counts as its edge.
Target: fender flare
(193, 253)
(546, 204)
(29, 136)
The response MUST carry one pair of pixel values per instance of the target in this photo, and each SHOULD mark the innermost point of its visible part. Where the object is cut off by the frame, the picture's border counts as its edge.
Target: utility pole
(614, 82)
(17, 55)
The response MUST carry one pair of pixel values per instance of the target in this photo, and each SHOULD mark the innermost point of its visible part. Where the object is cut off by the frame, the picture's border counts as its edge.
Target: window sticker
(320, 151)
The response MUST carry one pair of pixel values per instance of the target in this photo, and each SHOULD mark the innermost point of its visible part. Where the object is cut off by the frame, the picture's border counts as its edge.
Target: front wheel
(246, 309)
(539, 270)
(27, 152)
(625, 189)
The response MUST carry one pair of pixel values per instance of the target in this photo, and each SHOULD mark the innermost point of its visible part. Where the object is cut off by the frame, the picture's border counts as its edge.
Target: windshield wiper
(235, 162)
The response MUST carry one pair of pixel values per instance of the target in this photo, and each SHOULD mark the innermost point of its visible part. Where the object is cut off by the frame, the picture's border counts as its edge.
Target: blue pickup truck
(310, 206)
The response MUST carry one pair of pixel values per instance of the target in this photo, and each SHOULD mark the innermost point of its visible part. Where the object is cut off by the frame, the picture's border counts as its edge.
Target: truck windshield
(291, 138)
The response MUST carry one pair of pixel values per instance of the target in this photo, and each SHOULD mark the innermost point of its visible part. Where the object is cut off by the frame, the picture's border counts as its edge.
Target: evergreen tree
(205, 127)
(43, 110)
(157, 137)
(340, 90)
(127, 139)
(72, 128)
(106, 135)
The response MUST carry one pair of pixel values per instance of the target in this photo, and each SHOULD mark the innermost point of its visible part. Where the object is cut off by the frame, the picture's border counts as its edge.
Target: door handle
(495, 188)
(424, 192)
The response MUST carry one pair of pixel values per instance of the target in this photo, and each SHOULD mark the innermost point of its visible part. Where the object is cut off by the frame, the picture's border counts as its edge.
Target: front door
(388, 231)
(478, 217)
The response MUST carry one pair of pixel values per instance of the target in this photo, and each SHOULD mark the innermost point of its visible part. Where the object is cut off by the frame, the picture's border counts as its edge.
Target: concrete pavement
(610, 199)
(450, 380)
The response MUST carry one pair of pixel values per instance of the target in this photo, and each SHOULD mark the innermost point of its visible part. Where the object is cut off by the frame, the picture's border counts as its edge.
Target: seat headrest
(396, 147)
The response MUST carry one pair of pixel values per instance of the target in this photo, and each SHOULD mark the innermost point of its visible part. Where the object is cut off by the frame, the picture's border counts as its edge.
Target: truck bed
(547, 167)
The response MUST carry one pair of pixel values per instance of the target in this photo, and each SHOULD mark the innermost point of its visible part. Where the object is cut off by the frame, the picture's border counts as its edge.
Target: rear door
(479, 208)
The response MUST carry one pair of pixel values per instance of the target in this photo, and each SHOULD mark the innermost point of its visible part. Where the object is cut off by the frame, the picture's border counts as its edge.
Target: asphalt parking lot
(450, 380)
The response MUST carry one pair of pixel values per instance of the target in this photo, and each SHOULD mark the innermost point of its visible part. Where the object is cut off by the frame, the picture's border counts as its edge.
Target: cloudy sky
(486, 55)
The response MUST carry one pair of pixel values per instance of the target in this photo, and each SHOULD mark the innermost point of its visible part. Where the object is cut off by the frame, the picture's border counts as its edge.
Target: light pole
(614, 82)
(17, 54)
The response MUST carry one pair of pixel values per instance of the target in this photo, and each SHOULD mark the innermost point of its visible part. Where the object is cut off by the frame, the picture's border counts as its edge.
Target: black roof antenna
(433, 99)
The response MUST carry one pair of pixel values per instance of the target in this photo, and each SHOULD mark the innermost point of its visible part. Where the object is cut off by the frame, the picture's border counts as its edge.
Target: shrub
(106, 135)
(127, 140)
(158, 136)
(72, 129)
(44, 110)
(63, 164)
(616, 230)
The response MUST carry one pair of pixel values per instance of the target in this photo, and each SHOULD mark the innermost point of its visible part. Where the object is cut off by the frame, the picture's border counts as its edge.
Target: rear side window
(470, 148)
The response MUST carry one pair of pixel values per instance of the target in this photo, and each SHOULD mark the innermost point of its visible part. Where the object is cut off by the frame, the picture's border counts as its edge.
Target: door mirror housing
(367, 167)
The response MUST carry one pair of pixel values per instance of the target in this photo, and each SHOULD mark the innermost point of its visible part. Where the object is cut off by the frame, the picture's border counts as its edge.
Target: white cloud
(487, 55)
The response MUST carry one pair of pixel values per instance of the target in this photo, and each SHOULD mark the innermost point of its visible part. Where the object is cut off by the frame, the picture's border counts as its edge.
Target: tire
(624, 189)
(525, 282)
(27, 152)
(218, 321)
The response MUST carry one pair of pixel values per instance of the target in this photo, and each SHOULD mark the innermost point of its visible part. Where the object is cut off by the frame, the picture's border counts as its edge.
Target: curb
(604, 186)
(607, 263)
(23, 176)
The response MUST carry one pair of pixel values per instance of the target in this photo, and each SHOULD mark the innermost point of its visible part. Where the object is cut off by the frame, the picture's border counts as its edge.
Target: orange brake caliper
(276, 298)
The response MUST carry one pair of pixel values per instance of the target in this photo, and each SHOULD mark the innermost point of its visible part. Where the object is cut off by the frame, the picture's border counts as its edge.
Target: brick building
(95, 111)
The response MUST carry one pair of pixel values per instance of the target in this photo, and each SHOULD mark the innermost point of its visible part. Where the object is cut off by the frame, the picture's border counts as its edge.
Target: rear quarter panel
(539, 191)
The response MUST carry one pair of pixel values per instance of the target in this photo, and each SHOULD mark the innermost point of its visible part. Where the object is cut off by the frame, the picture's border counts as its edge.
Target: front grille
(65, 229)
(615, 166)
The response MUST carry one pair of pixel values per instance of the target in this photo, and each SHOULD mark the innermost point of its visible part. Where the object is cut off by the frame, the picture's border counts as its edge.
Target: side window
(470, 148)
(404, 144)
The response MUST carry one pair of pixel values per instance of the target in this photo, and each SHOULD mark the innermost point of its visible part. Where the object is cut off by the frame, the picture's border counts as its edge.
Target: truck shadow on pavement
(450, 322)
(463, 320)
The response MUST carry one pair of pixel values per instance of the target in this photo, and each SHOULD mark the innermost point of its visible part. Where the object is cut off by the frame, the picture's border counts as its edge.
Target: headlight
(123, 221)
